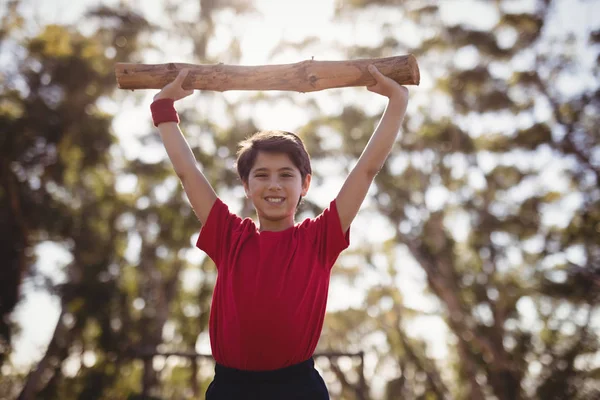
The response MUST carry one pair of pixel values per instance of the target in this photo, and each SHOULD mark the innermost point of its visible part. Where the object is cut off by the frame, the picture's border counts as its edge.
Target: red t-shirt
(269, 300)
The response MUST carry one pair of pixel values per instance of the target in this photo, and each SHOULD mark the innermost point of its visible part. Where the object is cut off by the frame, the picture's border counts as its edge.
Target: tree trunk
(12, 251)
(158, 292)
(60, 340)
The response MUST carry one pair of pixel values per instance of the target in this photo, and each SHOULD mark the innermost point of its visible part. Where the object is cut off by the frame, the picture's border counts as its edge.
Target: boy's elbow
(372, 171)
(180, 174)
(185, 168)
(367, 169)
(185, 174)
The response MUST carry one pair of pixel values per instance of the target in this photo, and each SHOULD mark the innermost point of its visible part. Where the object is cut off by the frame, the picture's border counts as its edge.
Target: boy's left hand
(386, 86)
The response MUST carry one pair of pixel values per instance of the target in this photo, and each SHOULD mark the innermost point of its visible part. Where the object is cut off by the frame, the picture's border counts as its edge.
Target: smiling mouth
(274, 200)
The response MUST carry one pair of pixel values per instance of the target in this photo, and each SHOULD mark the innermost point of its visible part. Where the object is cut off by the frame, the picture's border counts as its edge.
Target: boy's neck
(275, 226)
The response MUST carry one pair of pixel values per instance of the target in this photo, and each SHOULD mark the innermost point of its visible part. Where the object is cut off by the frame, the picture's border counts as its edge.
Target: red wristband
(163, 111)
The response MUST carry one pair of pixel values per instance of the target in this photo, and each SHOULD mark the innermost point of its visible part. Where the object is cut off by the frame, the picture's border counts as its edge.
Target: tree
(491, 193)
(57, 181)
(457, 192)
(116, 301)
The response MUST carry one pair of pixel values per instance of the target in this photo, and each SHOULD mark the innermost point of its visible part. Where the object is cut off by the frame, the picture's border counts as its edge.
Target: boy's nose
(274, 184)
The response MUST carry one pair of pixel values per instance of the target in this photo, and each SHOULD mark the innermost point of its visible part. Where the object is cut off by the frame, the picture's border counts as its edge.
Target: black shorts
(297, 382)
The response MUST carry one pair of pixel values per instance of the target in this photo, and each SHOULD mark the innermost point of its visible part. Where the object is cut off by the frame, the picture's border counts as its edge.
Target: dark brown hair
(272, 142)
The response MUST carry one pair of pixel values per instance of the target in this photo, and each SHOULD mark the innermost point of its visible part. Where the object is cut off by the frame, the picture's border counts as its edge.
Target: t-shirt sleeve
(217, 234)
(330, 241)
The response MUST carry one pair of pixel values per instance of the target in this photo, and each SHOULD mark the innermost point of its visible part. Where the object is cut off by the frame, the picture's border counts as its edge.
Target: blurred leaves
(490, 201)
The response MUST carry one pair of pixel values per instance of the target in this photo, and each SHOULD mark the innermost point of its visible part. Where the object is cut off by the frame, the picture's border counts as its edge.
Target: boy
(269, 300)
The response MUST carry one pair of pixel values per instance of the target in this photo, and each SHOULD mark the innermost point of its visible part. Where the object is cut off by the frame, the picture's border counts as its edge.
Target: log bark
(304, 76)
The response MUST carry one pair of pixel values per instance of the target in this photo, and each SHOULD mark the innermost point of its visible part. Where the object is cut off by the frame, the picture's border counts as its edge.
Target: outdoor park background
(474, 266)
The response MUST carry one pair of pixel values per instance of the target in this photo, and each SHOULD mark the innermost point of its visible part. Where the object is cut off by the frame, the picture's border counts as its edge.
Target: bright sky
(292, 20)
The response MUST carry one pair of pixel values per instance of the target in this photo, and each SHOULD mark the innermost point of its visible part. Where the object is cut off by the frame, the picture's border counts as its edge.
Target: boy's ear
(306, 184)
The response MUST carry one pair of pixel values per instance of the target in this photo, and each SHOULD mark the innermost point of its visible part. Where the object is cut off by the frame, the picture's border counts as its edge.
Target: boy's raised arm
(199, 191)
(356, 186)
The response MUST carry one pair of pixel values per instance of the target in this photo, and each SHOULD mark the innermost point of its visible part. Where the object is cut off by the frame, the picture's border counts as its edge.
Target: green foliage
(500, 221)
(483, 280)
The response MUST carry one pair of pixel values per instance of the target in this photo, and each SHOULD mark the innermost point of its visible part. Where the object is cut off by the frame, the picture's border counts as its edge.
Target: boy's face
(275, 186)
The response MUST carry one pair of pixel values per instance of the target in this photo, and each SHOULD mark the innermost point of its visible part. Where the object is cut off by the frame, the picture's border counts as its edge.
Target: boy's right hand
(174, 90)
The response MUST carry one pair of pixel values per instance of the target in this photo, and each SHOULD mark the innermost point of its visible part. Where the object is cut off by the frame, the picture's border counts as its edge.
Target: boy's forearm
(380, 145)
(178, 150)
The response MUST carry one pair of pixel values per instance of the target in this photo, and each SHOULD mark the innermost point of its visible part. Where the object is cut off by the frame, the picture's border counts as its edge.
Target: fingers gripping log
(304, 76)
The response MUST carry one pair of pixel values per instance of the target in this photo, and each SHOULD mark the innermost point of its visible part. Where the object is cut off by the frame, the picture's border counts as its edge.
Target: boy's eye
(287, 175)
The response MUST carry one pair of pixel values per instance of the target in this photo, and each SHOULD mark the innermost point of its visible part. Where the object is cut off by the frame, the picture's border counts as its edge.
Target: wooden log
(304, 76)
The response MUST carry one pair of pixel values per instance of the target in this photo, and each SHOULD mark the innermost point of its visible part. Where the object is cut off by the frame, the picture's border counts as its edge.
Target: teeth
(274, 200)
